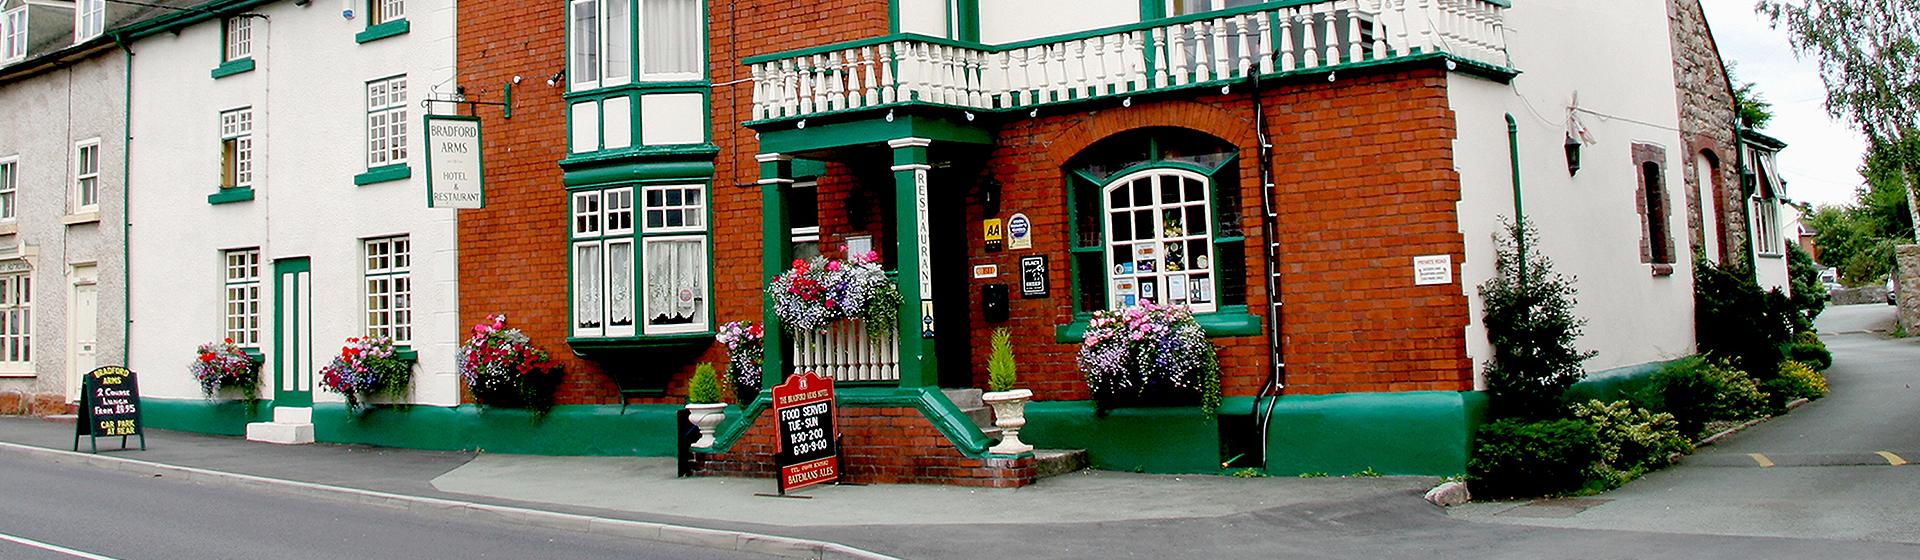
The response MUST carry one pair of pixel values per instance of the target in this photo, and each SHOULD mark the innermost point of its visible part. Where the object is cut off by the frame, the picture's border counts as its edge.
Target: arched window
(1157, 218)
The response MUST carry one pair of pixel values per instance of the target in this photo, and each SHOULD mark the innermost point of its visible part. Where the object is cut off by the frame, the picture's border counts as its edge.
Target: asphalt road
(1826, 470)
(100, 513)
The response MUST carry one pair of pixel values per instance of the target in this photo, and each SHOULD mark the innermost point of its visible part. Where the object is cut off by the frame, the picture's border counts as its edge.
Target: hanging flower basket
(746, 357)
(1151, 355)
(503, 368)
(815, 293)
(223, 365)
(367, 366)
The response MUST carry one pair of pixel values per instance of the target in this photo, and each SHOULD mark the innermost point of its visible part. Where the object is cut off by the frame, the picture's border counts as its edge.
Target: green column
(910, 246)
(776, 235)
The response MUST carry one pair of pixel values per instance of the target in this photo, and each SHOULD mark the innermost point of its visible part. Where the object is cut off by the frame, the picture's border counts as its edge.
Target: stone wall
(1907, 259)
(1707, 125)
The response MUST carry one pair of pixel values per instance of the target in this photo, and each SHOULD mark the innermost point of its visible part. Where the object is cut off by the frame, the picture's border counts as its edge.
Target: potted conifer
(1009, 404)
(704, 407)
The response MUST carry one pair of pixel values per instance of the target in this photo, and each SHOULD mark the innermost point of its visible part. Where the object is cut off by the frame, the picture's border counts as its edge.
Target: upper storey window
(611, 43)
(89, 19)
(1186, 7)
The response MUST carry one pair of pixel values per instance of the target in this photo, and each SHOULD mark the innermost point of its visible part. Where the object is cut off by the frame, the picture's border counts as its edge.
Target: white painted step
(290, 426)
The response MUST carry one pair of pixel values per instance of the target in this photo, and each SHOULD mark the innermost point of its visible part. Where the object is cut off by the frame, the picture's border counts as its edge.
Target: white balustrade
(1296, 38)
(846, 352)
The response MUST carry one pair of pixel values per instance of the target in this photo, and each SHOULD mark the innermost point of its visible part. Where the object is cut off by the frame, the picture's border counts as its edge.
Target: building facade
(62, 221)
(279, 202)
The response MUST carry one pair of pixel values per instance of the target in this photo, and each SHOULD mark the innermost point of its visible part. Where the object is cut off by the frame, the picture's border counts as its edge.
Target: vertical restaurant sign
(926, 255)
(454, 173)
(809, 448)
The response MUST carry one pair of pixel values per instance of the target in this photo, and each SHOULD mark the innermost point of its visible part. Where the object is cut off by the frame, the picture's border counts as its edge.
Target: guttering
(126, 211)
(1269, 226)
(1519, 211)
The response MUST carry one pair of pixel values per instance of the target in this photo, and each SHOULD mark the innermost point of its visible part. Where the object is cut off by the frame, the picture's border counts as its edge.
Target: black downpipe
(1269, 225)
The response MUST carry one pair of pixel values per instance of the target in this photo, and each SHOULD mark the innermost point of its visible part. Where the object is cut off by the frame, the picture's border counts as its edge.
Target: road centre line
(1892, 459)
(53, 547)
(1761, 459)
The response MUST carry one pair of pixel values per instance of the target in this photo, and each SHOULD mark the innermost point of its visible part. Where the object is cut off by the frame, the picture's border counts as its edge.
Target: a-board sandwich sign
(809, 451)
(109, 407)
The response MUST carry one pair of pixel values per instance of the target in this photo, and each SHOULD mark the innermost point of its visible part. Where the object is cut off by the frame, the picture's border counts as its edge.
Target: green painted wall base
(226, 418)
(1624, 383)
(1414, 433)
(1172, 440)
(644, 430)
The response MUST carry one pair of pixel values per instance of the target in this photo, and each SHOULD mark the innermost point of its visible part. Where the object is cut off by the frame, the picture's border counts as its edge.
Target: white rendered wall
(308, 96)
(1616, 55)
(1008, 21)
(926, 17)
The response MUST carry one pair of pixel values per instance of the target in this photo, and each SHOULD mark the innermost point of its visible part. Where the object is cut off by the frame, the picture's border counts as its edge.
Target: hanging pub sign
(809, 448)
(109, 406)
(454, 178)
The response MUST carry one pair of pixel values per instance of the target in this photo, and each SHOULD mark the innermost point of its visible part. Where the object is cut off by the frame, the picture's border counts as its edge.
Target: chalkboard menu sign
(109, 406)
(809, 450)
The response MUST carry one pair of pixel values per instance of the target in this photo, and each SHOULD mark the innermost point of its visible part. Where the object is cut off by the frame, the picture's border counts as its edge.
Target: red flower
(207, 357)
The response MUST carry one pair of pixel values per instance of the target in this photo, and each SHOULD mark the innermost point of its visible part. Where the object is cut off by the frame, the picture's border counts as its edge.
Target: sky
(1822, 159)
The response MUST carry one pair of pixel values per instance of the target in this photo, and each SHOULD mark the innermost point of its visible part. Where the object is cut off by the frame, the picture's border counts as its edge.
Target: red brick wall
(513, 253)
(1365, 181)
(877, 446)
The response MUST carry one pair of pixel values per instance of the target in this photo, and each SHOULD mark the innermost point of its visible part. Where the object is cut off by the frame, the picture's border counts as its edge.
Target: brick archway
(1234, 128)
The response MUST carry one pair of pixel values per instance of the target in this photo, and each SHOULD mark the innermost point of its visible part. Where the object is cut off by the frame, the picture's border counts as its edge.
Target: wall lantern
(1573, 155)
(990, 197)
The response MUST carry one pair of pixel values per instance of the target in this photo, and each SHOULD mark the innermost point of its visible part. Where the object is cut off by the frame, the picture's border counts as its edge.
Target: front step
(290, 426)
(976, 410)
(1055, 462)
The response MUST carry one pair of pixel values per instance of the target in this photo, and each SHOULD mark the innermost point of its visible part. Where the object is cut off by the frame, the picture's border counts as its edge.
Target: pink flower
(872, 257)
(833, 266)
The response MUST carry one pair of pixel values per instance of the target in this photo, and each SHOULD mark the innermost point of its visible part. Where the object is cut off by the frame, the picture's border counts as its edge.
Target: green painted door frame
(912, 253)
(292, 332)
(776, 250)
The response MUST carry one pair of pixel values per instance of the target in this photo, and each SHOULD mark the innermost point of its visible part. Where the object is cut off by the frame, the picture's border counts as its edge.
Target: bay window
(665, 282)
(603, 51)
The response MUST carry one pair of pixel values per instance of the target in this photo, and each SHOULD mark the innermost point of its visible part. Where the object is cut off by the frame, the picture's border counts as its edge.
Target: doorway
(83, 323)
(292, 332)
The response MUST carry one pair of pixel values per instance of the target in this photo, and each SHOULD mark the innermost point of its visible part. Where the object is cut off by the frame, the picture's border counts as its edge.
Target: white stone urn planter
(707, 418)
(1009, 414)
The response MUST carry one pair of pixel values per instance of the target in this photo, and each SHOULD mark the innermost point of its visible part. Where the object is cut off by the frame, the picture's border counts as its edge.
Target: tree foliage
(1532, 328)
(1809, 295)
(1859, 239)
(1869, 57)
(1735, 319)
(1755, 111)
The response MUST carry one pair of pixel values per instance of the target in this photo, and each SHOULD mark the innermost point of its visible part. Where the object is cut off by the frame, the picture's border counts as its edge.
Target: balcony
(1212, 49)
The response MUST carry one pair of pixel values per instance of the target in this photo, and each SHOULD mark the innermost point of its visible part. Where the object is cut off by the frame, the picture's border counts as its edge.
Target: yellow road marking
(1892, 459)
(1761, 459)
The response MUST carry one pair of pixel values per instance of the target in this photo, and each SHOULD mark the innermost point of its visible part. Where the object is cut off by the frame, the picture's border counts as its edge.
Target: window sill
(1230, 320)
(232, 67)
(382, 31)
(1661, 269)
(590, 345)
(87, 217)
(383, 174)
(1770, 255)
(228, 195)
(9, 227)
(406, 354)
(17, 374)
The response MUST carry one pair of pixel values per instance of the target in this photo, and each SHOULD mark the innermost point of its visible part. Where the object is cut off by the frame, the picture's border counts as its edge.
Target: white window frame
(388, 287)
(696, 38)
(236, 147)
(705, 296)
(89, 19)
(238, 38)
(387, 121)
(241, 289)
(86, 176)
(602, 223)
(385, 11)
(9, 188)
(586, 68)
(13, 35)
(693, 214)
(16, 324)
(1767, 241)
(1160, 275)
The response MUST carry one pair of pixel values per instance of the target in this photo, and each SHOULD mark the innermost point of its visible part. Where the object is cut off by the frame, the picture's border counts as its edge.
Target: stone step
(980, 415)
(964, 398)
(1055, 462)
(281, 433)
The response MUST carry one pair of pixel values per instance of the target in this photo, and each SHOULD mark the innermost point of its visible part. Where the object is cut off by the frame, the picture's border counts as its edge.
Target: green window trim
(230, 195)
(233, 67)
(1230, 320)
(382, 31)
(383, 174)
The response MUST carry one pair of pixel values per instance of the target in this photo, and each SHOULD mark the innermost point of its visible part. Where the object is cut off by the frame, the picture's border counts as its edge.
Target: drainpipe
(126, 214)
(1519, 214)
(1269, 225)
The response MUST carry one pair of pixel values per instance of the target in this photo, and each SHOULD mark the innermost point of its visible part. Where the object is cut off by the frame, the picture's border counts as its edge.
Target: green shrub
(1809, 296)
(1735, 319)
(1813, 355)
(1631, 438)
(1516, 458)
(1809, 337)
(1697, 391)
(704, 388)
(1000, 368)
(1796, 381)
(1532, 329)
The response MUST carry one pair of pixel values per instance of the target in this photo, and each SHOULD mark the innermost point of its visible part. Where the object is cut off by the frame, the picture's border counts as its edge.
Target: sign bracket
(459, 97)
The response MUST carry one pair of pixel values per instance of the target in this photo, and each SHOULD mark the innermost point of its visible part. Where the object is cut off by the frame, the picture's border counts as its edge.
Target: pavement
(1711, 506)
(1839, 467)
